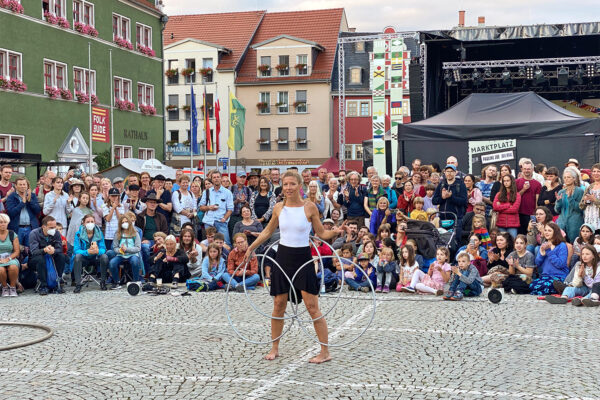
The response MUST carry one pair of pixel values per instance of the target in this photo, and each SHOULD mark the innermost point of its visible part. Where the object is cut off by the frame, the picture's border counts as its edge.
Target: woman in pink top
(434, 280)
(474, 195)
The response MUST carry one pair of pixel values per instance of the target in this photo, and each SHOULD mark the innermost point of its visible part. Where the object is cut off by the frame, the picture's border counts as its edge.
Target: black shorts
(291, 259)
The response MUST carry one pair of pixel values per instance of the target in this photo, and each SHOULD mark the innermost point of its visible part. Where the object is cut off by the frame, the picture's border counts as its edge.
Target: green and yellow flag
(237, 120)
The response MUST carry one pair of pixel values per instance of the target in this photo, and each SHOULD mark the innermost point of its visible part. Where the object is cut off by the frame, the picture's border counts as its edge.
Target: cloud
(373, 16)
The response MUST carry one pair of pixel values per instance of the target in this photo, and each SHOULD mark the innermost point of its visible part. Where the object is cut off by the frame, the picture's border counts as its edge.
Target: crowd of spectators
(529, 231)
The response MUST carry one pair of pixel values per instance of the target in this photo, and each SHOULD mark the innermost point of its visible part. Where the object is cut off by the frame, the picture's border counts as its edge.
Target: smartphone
(472, 242)
(532, 217)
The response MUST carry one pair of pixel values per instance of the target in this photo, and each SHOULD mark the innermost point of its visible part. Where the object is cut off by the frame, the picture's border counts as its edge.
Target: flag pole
(216, 144)
(228, 123)
(205, 115)
(112, 106)
(191, 131)
(91, 157)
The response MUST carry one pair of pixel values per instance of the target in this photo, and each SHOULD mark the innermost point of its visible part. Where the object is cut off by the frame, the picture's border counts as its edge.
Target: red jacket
(508, 214)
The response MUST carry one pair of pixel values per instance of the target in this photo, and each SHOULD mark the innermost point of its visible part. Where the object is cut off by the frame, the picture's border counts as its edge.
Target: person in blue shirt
(22, 207)
(89, 249)
(213, 267)
(551, 261)
(217, 206)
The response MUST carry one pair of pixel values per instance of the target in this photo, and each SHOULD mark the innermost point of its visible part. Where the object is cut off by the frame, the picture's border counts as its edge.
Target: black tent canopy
(539, 126)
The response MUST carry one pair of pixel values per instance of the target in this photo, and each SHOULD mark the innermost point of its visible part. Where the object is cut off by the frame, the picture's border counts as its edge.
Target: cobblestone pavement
(109, 345)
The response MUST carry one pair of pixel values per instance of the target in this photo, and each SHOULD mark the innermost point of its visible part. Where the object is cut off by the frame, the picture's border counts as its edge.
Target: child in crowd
(586, 236)
(389, 243)
(213, 268)
(219, 240)
(381, 215)
(583, 276)
(59, 228)
(433, 217)
(521, 264)
(385, 267)
(465, 281)
(406, 268)
(400, 236)
(210, 236)
(384, 232)
(418, 213)
(478, 227)
(371, 250)
(319, 249)
(363, 281)
(367, 237)
(428, 199)
(418, 258)
(597, 239)
(434, 280)
(346, 267)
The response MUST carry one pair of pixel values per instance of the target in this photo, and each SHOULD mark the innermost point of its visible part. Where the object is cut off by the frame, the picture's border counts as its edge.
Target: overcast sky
(371, 15)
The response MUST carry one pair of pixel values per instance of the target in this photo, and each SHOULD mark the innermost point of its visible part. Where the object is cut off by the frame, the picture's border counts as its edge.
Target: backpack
(52, 275)
(331, 280)
(196, 285)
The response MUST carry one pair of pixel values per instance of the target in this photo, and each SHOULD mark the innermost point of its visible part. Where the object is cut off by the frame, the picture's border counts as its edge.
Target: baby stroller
(429, 238)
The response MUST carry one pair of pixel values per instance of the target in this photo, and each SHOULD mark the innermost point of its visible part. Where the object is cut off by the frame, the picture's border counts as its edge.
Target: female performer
(295, 218)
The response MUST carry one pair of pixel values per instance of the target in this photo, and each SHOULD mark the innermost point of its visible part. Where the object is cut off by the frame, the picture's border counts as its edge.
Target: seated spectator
(9, 258)
(521, 264)
(248, 225)
(213, 268)
(400, 236)
(497, 265)
(418, 213)
(385, 268)
(535, 229)
(77, 216)
(436, 277)
(384, 232)
(467, 222)
(89, 249)
(318, 248)
(363, 281)
(150, 221)
(406, 268)
(346, 268)
(586, 236)
(219, 240)
(351, 236)
(381, 215)
(127, 247)
(466, 281)
(46, 240)
(22, 207)
(170, 263)
(551, 261)
(210, 237)
(418, 257)
(132, 201)
(478, 253)
(584, 275)
(111, 211)
(337, 217)
(250, 275)
(189, 244)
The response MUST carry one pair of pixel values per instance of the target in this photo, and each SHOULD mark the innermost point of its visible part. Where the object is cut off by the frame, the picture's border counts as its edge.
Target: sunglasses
(398, 178)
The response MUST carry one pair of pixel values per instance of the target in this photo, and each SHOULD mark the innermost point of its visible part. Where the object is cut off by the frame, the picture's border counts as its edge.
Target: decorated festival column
(379, 109)
(399, 103)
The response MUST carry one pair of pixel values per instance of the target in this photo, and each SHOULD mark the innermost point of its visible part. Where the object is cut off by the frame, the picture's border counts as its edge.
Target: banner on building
(100, 125)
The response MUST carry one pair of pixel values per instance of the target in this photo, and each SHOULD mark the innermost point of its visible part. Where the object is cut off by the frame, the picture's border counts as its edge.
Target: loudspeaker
(495, 296)
(134, 288)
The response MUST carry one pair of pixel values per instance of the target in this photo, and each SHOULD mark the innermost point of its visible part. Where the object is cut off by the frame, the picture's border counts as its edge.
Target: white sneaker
(12, 291)
(5, 291)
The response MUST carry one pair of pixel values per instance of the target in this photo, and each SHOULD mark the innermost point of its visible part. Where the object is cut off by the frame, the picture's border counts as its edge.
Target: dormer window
(355, 75)
(359, 47)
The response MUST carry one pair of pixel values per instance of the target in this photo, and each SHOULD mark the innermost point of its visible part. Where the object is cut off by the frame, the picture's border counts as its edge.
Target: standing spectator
(96, 204)
(507, 204)
(112, 211)
(262, 201)
(485, 186)
(590, 203)
(567, 204)
(132, 201)
(539, 173)
(226, 182)
(253, 180)
(416, 167)
(454, 161)
(314, 195)
(529, 189)
(46, 240)
(241, 196)
(407, 198)
(6, 187)
(178, 174)
(184, 203)
(550, 189)
(474, 195)
(119, 184)
(322, 181)
(391, 194)
(248, 225)
(145, 184)
(105, 186)
(76, 187)
(504, 170)
(127, 247)
(77, 216)
(9, 263)
(331, 198)
(306, 178)
(451, 196)
(23, 208)
(354, 199)
(55, 202)
(89, 249)
(46, 187)
(275, 178)
(165, 206)
(375, 191)
(418, 186)
(217, 204)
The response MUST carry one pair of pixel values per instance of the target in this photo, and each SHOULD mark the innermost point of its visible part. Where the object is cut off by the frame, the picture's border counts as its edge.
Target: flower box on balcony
(263, 141)
(299, 103)
(280, 104)
(282, 141)
(52, 92)
(186, 107)
(187, 71)
(171, 107)
(264, 68)
(85, 29)
(124, 43)
(145, 50)
(261, 105)
(12, 5)
(170, 73)
(124, 105)
(12, 84)
(301, 141)
(147, 109)
(83, 98)
(282, 67)
(54, 20)
(300, 66)
(206, 71)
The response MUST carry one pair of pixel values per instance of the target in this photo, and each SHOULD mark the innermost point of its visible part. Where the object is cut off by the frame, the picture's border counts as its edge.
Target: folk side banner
(100, 125)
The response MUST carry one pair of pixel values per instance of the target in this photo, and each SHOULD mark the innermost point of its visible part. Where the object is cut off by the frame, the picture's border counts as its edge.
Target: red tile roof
(320, 26)
(147, 3)
(230, 30)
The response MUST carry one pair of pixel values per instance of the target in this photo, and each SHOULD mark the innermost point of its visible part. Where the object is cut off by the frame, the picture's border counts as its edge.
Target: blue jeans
(146, 254)
(251, 280)
(222, 228)
(134, 261)
(474, 287)
(23, 235)
(571, 291)
(511, 231)
(355, 285)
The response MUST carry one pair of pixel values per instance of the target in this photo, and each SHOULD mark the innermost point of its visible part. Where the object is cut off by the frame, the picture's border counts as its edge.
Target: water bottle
(322, 291)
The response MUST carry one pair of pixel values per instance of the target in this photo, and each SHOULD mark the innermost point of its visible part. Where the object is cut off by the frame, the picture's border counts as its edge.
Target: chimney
(481, 21)
(461, 18)
(351, 29)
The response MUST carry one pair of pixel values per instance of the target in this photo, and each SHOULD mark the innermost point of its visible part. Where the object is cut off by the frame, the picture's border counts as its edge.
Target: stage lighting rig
(579, 73)
(477, 78)
(562, 75)
(506, 78)
(538, 77)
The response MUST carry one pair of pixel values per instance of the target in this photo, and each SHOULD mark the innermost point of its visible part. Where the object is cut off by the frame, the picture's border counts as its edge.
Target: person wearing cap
(111, 212)
(572, 163)
(363, 280)
(253, 180)
(132, 200)
(150, 221)
(165, 206)
(76, 186)
(451, 197)
(241, 195)
(217, 205)
(454, 161)
(118, 184)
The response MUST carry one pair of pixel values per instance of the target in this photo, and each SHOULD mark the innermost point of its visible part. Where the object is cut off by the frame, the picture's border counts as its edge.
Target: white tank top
(294, 228)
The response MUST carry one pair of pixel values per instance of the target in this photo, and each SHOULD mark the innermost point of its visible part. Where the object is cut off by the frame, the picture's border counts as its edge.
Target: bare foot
(320, 358)
(273, 354)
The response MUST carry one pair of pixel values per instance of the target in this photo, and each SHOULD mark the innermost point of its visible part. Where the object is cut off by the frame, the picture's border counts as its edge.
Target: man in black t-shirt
(150, 221)
(165, 206)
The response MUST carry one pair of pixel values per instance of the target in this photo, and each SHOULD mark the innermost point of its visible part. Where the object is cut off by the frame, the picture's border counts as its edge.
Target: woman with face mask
(88, 249)
(127, 246)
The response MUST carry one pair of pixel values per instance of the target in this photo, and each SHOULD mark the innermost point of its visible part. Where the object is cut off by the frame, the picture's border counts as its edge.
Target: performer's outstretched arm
(267, 232)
